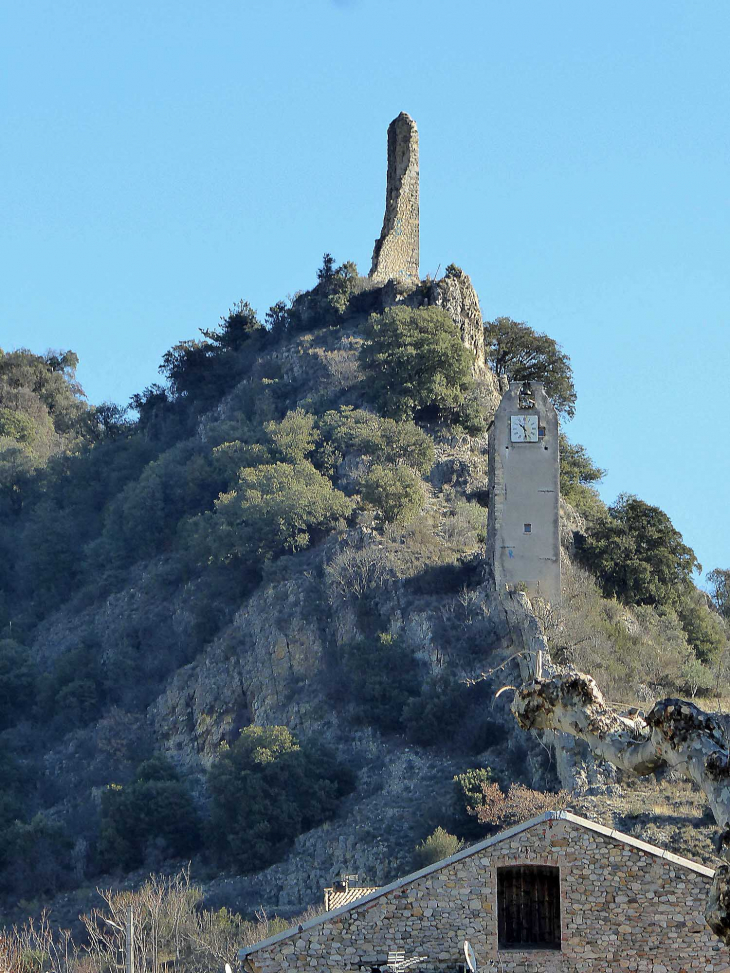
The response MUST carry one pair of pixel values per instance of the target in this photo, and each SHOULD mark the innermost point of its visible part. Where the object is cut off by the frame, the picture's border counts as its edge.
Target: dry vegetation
(636, 654)
(670, 812)
(171, 933)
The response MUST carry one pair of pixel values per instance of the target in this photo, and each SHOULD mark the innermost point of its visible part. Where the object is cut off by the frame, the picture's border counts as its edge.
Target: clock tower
(523, 536)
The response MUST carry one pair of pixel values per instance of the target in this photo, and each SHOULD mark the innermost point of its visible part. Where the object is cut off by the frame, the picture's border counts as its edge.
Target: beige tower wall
(524, 488)
(396, 252)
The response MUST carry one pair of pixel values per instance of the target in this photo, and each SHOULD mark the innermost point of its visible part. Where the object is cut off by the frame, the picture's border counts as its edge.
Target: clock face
(523, 429)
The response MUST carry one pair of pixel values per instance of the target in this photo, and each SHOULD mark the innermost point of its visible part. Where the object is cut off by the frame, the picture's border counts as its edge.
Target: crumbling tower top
(396, 251)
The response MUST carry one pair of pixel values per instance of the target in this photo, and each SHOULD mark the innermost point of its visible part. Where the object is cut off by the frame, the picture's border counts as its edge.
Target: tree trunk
(675, 733)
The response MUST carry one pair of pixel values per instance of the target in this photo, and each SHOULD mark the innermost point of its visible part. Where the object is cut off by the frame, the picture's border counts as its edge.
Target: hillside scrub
(640, 558)
(268, 788)
(635, 652)
(287, 532)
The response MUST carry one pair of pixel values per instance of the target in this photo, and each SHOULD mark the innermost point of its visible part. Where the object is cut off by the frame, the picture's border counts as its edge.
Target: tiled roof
(335, 900)
(474, 850)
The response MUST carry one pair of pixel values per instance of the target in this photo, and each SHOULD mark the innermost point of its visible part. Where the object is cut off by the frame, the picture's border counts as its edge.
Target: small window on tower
(541, 432)
(528, 528)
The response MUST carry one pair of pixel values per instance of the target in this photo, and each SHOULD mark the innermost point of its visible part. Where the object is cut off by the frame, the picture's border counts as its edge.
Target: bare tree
(675, 733)
(34, 947)
(171, 933)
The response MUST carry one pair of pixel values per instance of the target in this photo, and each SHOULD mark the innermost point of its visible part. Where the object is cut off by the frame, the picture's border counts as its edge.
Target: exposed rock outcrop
(456, 295)
(256, 672)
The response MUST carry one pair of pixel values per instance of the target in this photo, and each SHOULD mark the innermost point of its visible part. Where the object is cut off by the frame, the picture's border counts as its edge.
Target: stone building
(557, 893)
(523, 531)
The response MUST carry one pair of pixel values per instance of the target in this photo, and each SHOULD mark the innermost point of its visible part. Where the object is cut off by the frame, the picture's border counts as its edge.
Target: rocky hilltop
(288, 534)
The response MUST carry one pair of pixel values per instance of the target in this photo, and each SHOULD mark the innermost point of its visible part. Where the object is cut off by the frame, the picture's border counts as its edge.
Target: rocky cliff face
(456, 295)
(269, 664)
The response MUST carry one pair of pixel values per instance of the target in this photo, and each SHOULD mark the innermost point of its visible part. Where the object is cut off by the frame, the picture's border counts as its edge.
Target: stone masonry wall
(396, 253)
(622, 909)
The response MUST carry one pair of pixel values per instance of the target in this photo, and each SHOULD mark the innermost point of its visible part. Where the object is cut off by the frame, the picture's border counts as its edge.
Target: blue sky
(161, 160)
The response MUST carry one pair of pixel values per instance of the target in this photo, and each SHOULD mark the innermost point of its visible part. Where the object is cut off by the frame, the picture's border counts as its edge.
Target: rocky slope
(194, 659)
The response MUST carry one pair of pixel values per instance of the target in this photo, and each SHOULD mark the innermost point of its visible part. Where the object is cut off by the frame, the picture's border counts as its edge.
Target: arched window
(528, 907)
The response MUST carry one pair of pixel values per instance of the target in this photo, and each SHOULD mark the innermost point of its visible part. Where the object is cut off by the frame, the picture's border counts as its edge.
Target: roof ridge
(630, 840)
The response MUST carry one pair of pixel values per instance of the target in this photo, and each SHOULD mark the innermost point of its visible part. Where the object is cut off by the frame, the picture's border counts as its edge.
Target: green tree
(275, 509)
(35, 858)
(327, 270)
(638, 555)
(578, 473)
(433, 718)
(470, 785)
(277, 319)
(77, 703)
(525, 355)
(719, 580)
(404, 444)
(50, 379)
(396, 492)
(203, 371)
(349, 430)
(335, 284)
(416, 365)
(380, 676)
(705, 632)
(439, 845)
(155, 813)
(234, 330)
(267, 789)
(106, 422)
(325, 304)
(17, 683)
(294, 438)
(18, 427)
(71, 693)
(187, 368)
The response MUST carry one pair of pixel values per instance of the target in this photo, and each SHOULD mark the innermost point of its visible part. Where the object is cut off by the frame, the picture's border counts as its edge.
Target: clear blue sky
(161, 160)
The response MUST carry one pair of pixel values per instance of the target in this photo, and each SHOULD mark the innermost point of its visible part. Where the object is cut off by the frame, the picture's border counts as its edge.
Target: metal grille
(528, 907)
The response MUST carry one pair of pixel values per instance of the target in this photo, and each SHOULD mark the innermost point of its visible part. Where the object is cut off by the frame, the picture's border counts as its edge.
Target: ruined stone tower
(523, 533)
(396, 251)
